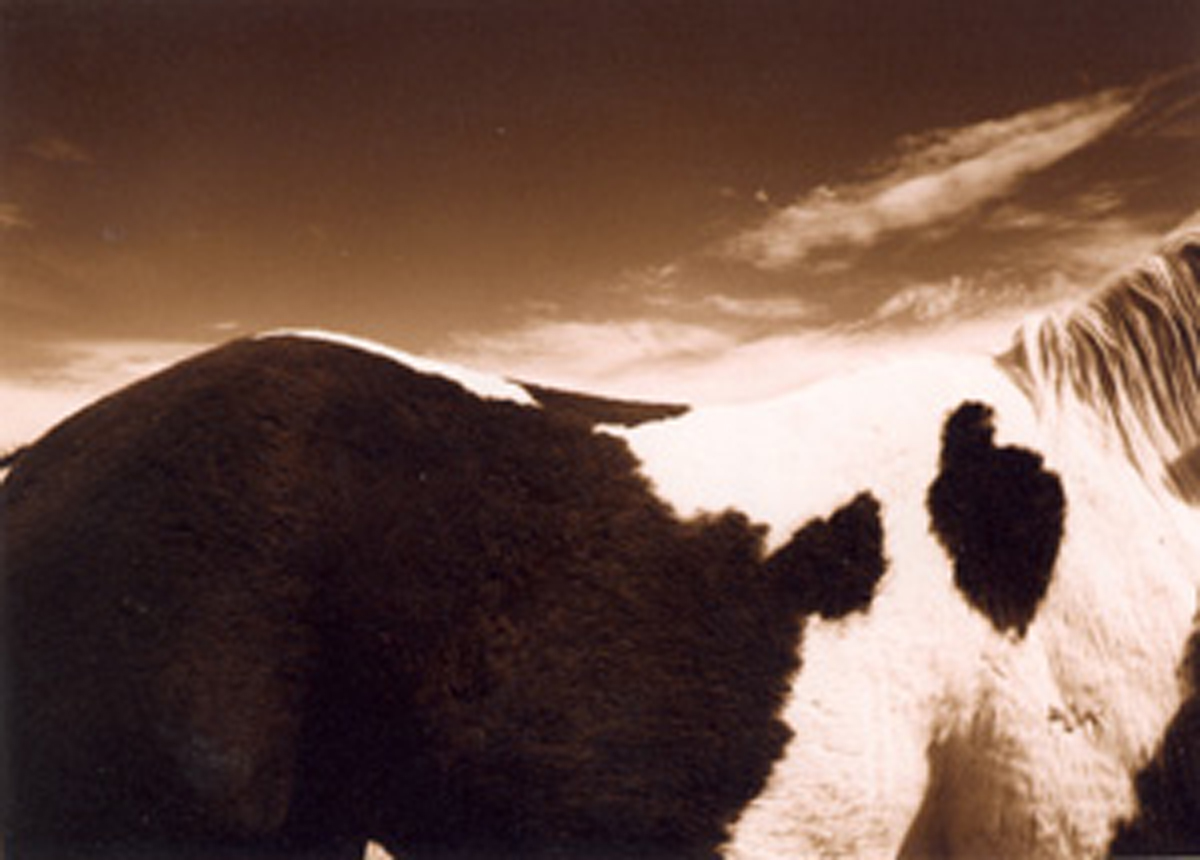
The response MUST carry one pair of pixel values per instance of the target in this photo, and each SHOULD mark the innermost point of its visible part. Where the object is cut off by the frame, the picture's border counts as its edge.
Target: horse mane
(1132, 354)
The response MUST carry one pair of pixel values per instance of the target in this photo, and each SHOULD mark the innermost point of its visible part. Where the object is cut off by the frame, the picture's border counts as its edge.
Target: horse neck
(1127, 363)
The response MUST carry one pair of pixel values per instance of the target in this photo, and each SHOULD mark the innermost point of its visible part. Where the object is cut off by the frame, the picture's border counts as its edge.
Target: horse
(1025, 652)
(302, 591)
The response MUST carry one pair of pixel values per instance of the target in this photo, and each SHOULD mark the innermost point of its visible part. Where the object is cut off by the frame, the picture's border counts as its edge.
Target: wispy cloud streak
(58, 150)
(12, 217)
(937, 177)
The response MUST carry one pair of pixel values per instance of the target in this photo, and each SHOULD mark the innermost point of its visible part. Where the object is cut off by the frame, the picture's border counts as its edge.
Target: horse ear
(831, 566)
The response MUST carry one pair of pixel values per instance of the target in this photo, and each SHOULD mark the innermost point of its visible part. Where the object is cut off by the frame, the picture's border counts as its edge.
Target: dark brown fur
(1168, 788)
(288, 596)
(999, 514)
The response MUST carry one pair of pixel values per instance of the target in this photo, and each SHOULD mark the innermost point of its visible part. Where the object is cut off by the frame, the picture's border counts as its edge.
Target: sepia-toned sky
(705, 199)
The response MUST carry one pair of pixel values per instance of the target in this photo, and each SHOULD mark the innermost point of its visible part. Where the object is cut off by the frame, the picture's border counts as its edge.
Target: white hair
(1131, 354)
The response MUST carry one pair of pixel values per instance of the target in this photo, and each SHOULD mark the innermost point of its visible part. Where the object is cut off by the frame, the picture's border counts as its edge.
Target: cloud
(764, 367)
(104, 364)
(763, 309)
(13, 218)
(1188, 224)
(84, 372)
(58, 150)
(1170, 107)
(658, 284)
(1078, 248)
(671, 361)
(692, 289)
(1103, 200)
(714, 332)
(572, 352)
(719, 359)
(1056, 257)
(1180, 120)
(936, 177)
(989, 295)
(732, 308)
(927, 302)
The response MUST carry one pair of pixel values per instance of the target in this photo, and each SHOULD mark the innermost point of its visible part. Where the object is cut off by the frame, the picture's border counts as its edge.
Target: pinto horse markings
(473, 618)
(999, 514)
(291, 595)
(975, 712)
(1168, 787)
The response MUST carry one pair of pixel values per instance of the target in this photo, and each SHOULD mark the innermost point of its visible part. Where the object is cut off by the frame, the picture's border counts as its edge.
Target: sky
(708, 200)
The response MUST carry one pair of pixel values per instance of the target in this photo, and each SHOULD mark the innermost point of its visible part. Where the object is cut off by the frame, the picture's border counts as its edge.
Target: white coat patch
(481, 384)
